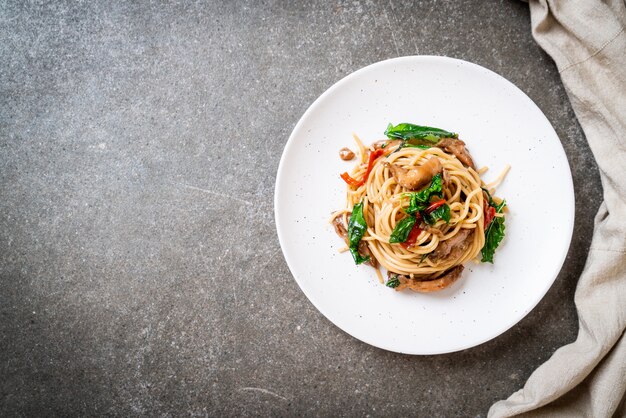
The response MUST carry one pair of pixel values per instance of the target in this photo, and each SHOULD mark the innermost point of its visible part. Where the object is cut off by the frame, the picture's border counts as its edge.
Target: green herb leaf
(442, 212)
(493, 202)
(420, 200)
(356, 229)
(406, 131)
(495, 231)
(493, 236)
(407, 144)
(500, 206)
(358, 258)
(401, 232)
(393, 282)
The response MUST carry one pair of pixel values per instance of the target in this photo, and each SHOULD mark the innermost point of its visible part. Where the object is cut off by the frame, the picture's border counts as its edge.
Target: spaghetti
(422, 210)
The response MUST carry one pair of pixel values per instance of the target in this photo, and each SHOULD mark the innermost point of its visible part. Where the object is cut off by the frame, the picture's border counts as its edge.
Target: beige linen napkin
(586, 39)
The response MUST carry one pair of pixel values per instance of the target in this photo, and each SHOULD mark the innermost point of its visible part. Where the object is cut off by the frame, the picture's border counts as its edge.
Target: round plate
(500, 125)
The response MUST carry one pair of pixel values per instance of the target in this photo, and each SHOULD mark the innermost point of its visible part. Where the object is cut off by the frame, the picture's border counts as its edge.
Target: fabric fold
(586, 39)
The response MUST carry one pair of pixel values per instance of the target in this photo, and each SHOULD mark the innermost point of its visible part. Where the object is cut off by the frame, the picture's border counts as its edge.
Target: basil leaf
(493, 202)
(414, 143)
(393, 282)
(356, 229)
(358, 258)
(493, 236)
(420, 200)
(401, 232)
(407, 144)
(415, 205)
(495, 231)
(442, 212)
(408, 131)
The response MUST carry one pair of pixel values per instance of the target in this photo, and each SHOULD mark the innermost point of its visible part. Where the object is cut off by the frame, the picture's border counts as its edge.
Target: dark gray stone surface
(140, 272)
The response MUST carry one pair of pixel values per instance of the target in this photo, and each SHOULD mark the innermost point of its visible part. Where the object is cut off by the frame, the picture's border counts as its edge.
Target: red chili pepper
(490, 213)
(352, 182)
(355, 183)
(415, 232)
(435, 205)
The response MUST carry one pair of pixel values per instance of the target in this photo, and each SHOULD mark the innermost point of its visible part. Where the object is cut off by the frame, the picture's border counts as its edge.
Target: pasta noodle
(437, 247)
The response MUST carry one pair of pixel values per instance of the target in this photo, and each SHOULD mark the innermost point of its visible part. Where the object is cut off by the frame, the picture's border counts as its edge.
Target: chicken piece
(456, 147)
(453, 247)
(364, 250)
(417, 177)
(340, 228)
(346, 154)
(427, 286)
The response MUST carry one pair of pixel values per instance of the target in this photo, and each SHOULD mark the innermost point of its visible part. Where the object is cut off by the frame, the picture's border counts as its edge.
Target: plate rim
(330, 90)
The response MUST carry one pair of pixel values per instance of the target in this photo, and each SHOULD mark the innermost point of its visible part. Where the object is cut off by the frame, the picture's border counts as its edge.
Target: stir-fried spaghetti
(417, 206)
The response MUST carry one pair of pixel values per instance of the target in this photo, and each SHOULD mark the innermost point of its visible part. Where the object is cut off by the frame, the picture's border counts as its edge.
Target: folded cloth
(586, 39)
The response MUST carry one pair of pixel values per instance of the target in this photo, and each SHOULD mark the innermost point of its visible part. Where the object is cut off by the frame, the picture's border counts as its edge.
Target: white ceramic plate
(500, 125)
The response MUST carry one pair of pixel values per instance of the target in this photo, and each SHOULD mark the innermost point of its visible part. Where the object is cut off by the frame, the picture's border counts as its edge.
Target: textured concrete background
(140, 272)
